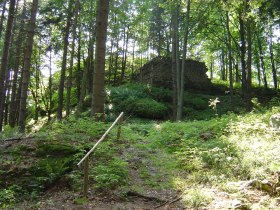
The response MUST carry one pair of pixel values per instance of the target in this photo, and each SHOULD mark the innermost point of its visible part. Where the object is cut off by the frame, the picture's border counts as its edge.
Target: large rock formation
(158, 72)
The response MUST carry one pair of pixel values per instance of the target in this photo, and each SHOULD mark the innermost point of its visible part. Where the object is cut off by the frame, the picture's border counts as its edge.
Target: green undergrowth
(50, 158)
(145, 101)
(150, 156)
(220, 151)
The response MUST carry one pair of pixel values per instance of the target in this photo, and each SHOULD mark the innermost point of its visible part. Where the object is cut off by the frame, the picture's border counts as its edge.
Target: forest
(196, 81)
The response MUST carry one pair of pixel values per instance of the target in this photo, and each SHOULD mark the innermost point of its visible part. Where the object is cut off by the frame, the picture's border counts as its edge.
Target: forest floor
(190, 165)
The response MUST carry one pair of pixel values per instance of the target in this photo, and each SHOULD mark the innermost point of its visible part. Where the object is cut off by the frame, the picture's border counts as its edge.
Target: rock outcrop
(158, 72)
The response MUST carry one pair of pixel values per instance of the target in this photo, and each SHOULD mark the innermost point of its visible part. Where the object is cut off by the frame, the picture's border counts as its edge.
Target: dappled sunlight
(37, 125)
(157, 126)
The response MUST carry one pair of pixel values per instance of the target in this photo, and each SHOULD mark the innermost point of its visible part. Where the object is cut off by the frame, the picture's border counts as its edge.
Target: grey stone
(158, 72)
(275, 121)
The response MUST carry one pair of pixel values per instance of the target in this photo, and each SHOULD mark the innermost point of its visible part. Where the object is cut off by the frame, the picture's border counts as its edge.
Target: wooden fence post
(85, 159)
(119, 128)
(86, 168)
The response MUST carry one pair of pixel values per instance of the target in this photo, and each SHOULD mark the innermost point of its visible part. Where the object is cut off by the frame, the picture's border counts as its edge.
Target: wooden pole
(86, 168)
(120, 128)
(102, 138)
(86, 157)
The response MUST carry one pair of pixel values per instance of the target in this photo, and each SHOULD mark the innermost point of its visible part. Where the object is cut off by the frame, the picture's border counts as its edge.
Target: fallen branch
(169, 202)
(149, 198)
(17, 138)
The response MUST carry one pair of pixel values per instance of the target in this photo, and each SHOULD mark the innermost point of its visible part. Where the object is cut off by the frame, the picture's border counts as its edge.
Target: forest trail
(149, 185)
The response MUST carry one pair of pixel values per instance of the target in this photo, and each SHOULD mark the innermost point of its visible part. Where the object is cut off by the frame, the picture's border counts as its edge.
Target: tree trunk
(110, 62)
(14, 103)
(124, 54)
(178, 71)
(273, 68)
(7, 103)
(78, 72)
(174, 62)
(257, 60)
(182, 75)
(2, 17)
(64, 61)
(116, 64)
(69, 82)
(27, 65)
(37, 81)
(87, 66)
(132, 62)
(237, 76)
(211, 68)
(99, 73)
(249, 67)
(262, 61)
(229, 55)
(243, 54)
(223, 74)
(5, 57)
(50, 85)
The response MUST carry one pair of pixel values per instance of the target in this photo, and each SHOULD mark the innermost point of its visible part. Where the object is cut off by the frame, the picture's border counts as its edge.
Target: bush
(159, 94)
(199, 103)
(111, 175)
(122, 97)
(139, 100)
(7, 197)
(149, 108)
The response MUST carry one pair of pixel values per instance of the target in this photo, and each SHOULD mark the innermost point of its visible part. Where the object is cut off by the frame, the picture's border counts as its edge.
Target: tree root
(149, 198)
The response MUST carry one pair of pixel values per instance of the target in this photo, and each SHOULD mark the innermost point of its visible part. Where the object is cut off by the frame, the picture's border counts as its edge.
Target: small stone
(237, 204)
(275, 121)
(267, 186)
(264, 185)
(277, 191)
(277, 200)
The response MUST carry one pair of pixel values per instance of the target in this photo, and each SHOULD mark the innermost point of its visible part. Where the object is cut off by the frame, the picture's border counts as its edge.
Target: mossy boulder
(149, 108)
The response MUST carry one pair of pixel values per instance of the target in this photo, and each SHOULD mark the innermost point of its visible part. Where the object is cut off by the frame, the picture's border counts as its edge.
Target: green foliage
(274, 102)
(148, 108)
(80, 201)
(159, 94)
(199, 103)
(9, 132)
(196, 198)
(49, 149)
(7, 198)
(110, 175)
(47, 171)
(201, 146)
(73, 130)
(138, 100)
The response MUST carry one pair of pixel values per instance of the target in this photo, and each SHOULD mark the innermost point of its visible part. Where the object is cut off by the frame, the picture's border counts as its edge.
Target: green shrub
(148, 108)
(7, 198)
(139, 100)
(121, 98)
(274, 102)
(111, 175)
(9, 132)
(159, 94)
(199, 103)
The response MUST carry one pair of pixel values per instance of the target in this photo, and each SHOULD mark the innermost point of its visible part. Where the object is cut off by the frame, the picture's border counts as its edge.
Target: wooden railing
(85, 159)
